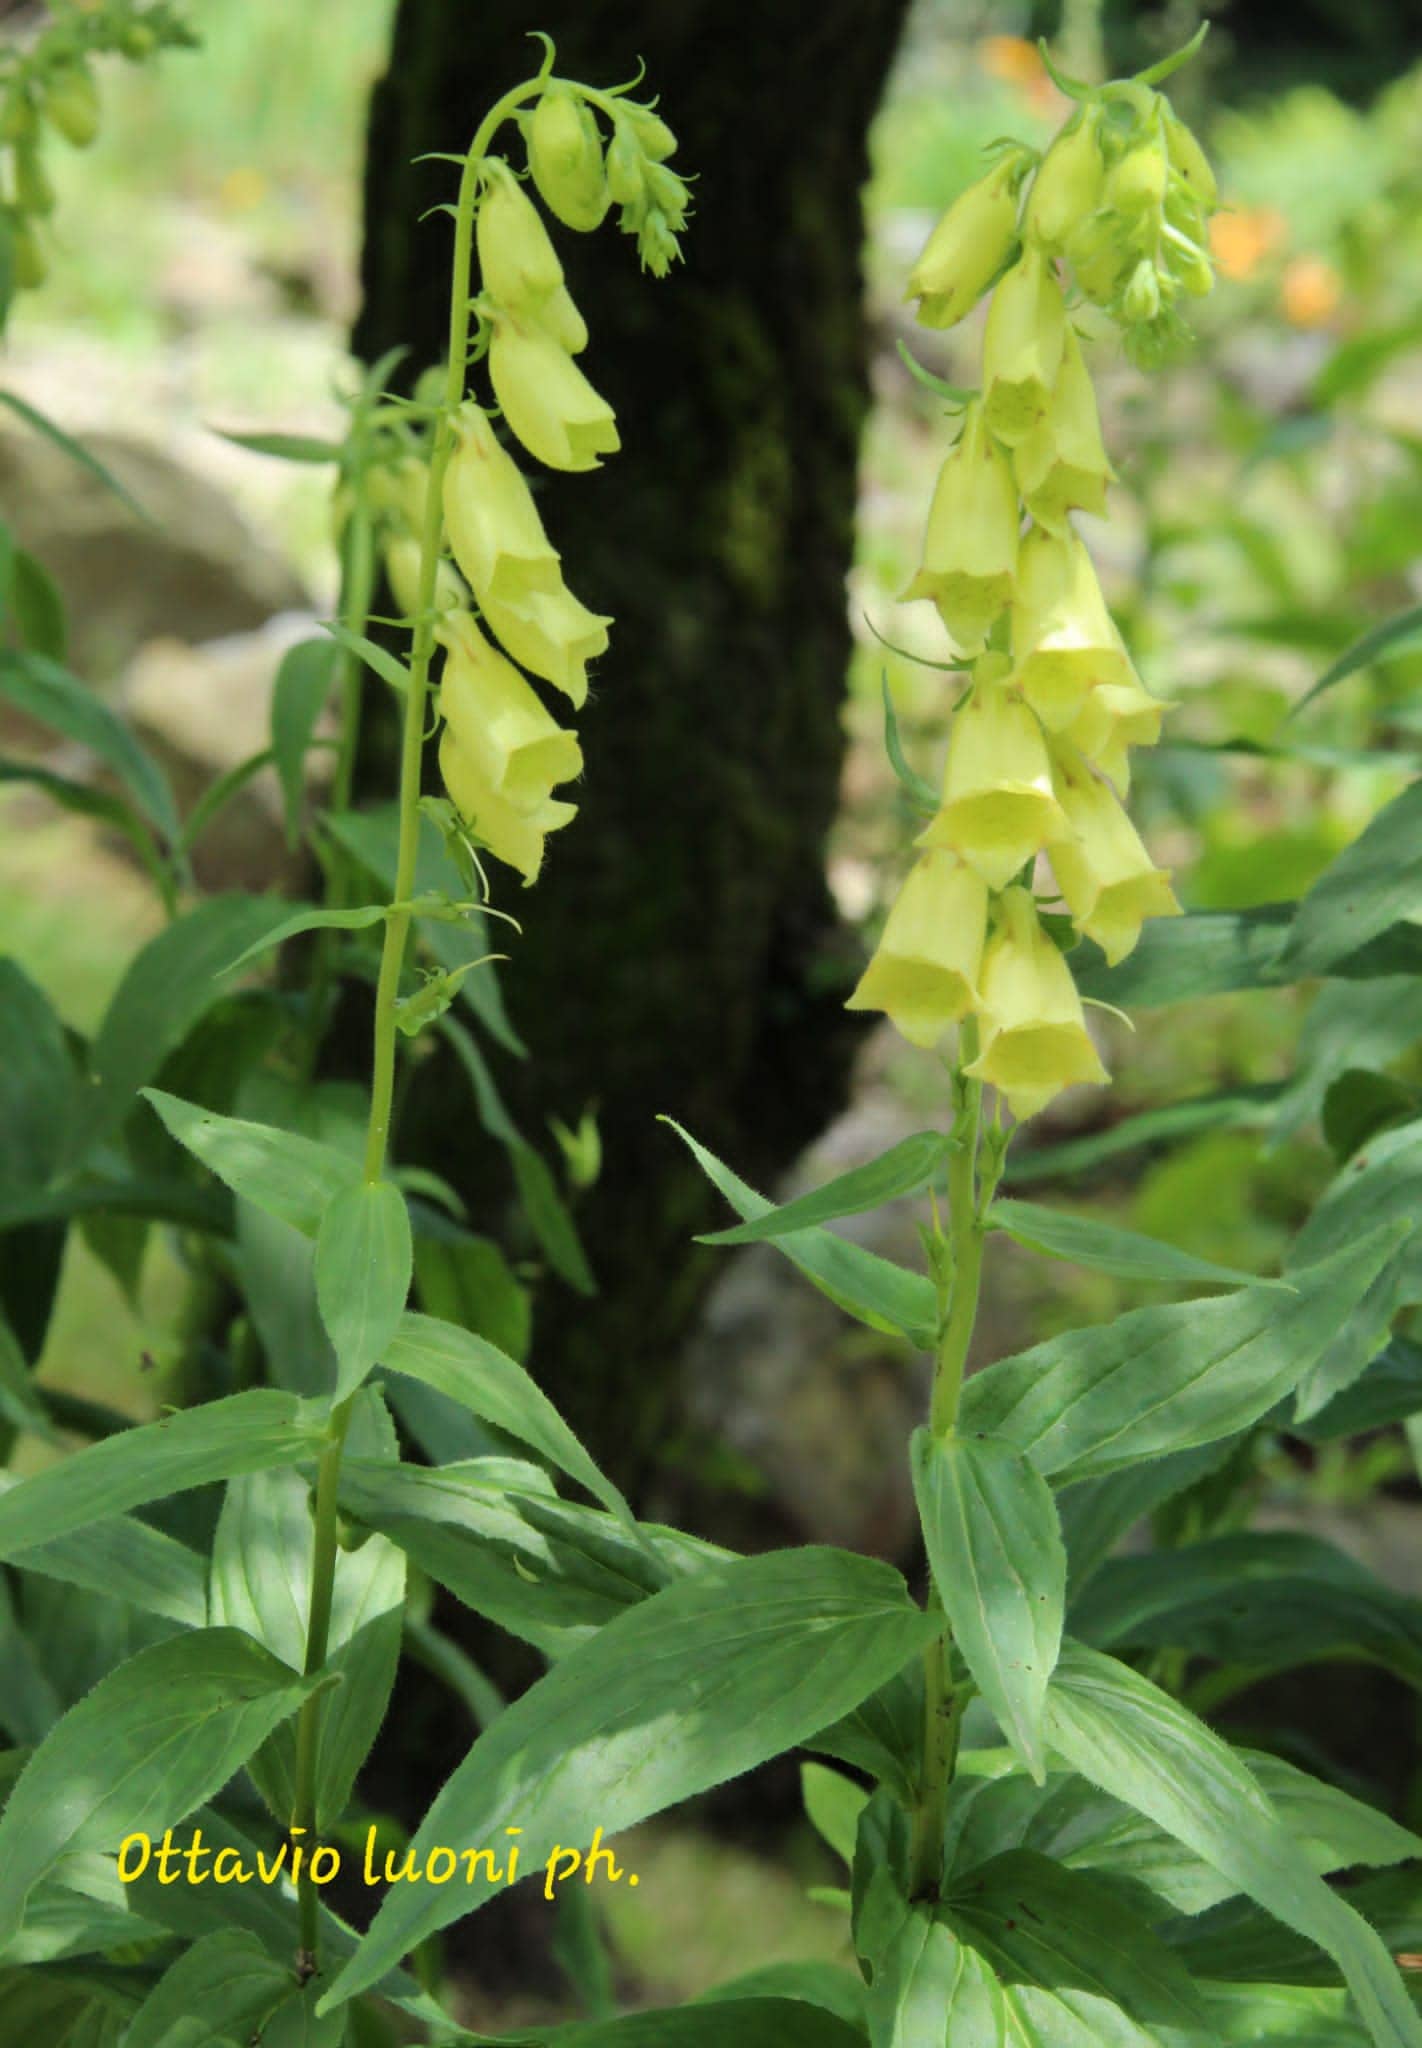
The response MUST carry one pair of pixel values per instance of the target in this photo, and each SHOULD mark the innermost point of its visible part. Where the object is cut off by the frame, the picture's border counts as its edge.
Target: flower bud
(33, 192)
(1067, 187)
(626, 165)
(1064, 640)
(510, 835)
(1099, 258)
(547, 401)
(1189, 162)
(1140, 302)
(1062, 463)
(999, 808)
(1035, 1040)
(1110, 882)
(403, 560)
(968, 247)
(517, 262)
(1135, 184)
(495, 533)
(565, 159)
(1022, 347)
(552, 634)
(924, 971)
(498, 721)
(654, 138)
(31, 265)
(71, 102)
(970, 546)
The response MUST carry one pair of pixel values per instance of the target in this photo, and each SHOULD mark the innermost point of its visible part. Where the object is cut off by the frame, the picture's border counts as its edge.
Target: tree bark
(681, 952)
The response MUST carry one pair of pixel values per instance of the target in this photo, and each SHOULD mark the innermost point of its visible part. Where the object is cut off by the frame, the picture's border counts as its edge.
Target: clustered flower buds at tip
(565, 159)
(1038, 753)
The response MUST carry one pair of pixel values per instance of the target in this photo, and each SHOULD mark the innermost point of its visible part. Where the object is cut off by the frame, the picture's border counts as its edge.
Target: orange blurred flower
(1018, 63)
(1242, 237)
(1310, 291)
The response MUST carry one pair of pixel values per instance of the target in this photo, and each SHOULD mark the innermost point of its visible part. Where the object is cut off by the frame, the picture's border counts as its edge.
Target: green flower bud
(657, 245)
(1067, 187)
(33, 190)
(968, 247)
(565, 158)
(668, 194)
(1098, 260)
(31, 263)
(518, 263)
(626, 166)
(1022, 347)
(1140, 302)
(653, 135)
(17, 118)
(1136, 185)
(1189, 161)
(71, 102)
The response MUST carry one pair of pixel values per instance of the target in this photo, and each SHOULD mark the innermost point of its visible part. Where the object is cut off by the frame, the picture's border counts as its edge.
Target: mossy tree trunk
(681, 953)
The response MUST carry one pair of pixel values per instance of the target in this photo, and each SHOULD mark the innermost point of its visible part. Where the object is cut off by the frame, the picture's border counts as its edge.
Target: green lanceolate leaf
(920, 792)
(1373, 883)
(288, 447)
(303, 684)
(290, 1177)
(1133, 1740)
(1388, 1390)
(1211, 952)
(1096, 1513)
(746, 2022)
(930, 1986)
(229, 1979)
(152, 1740)
(1166, 1379)
(995, 1546)
(481, 1378)
(1397, 635)
(364, 1264)
(38, 1085)
(903, 1170)
(49, 694)
(696, 1685)
(1237, 1109)
(1086, 1242)
(387, 666)
(243, 1433)
(871, 1289)
(75, 450)
(127, 1560)
(359, 918)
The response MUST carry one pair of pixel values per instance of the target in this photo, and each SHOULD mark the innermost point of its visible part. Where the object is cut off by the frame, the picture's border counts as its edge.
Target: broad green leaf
(466, 1280)
(1373, 883)
(729, 2023)
(1397, 635)
(153, 1201)
(1279, 2016)
(49, 694)
(1036, 1922)
(883, 1735)
(833, 1804)
(261, 1584)
(81, 1909)
(822, 1984)
(870, 1289)
(127, 1560)
(38, 1085)
(290, 1177)
(931, 1986)
(1097, 1513)
(244, 1433)
(1211, 952)
(990, 1526)
(37, 607)
(1133, 1740)
(1087, 1242)
(903, 1170)
(1387, 1390)
(20, 1404)
(481, 1378)
(1166, 1379)
(303, 683)
(364, 1264)
(67, 2007)
(29, 1702)
(228, 1980)
(159, 1735)
(1347, 1026)
(1236, 1109)
(166, 989)
(696, 1685)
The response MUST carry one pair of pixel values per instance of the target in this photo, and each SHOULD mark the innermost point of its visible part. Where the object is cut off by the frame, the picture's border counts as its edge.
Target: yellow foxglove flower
(565, 158)
(547, 401)
(1022, 346)
(499, 722)
(925, 968)
(552, 634)
(1067, 187)
(968, 247)
(563, 321)
(517, 261)
(1110, 882)
(1035, 1040)
(970, 546)
(402, 566)
(999, 807)
(510, 835)
(1062, 463)
(1064, 640)
(495, 533)
(1115, 717)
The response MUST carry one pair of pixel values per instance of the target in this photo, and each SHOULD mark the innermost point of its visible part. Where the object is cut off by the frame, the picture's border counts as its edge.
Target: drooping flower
(499, 722)
(511, 835)
(1034, 1037)
(1064, 640)
(1110, 882)
(495, 532)
(1114, 718)
(925, 968)
(1067, 187)
(1022, 346)
(517, 260)
(1061, 465)
(999, 807)
(968, 247)
(970, 546)
(548, 402)
(552, 634)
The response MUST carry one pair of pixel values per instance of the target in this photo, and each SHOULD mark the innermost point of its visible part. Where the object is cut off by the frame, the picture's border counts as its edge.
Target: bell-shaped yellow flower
(970, 546)
(495, 533)
(1035, 1040)
(1067, 187)
(510, 835)
(1064, 639)
(547, 401)
(1110, 882)
(1114, 718)
(968, 247)
(565, 158)
(999, 807)
(499, 722)
(1062, 465)
(1022, 346)
(552, 634)
(517, 261)
(925, 968)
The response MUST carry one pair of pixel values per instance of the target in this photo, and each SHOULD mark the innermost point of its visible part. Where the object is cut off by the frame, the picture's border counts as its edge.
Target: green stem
(943, 1703)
